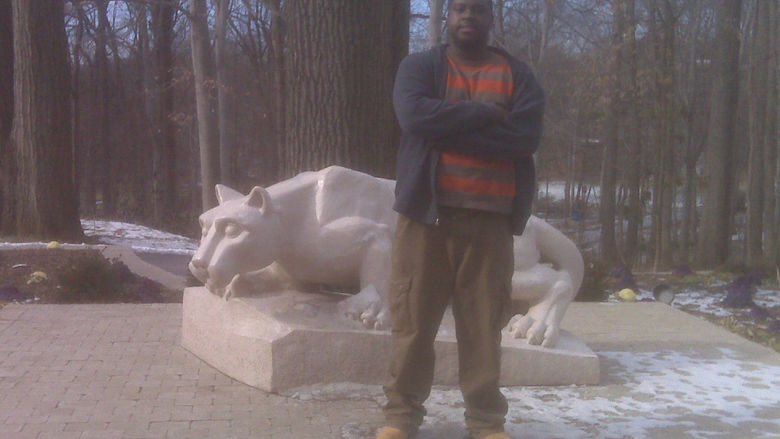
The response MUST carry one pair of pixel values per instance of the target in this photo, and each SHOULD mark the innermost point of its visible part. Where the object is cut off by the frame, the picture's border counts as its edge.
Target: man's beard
(469, 45)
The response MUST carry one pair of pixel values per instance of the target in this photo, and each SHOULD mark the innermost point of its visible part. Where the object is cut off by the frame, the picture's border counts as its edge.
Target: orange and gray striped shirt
(464, 180)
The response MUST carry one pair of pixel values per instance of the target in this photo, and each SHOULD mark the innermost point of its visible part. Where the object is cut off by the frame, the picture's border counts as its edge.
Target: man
(471, 117)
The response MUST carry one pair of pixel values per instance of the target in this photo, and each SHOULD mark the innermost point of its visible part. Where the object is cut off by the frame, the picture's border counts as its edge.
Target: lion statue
(333, 229)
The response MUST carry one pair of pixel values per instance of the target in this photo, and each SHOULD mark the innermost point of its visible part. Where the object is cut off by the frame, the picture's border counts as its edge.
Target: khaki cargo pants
(467, 260)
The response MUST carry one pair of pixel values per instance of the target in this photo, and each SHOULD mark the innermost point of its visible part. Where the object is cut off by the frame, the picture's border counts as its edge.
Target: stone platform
(289, 339)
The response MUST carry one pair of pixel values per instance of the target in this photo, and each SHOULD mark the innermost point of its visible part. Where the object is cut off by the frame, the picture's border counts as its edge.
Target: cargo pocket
(399, 303)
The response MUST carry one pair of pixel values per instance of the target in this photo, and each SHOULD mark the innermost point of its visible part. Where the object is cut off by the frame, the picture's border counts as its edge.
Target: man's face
(469, 23)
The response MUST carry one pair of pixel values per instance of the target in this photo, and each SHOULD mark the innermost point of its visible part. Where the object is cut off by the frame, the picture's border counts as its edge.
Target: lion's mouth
(200, 273)
(212, 282)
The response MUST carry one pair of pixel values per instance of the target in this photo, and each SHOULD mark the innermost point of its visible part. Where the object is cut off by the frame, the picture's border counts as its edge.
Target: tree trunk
(208, 136)
(277, 49)
(435, 22)
(78, 150)
(340, 65)
(776, 142)
(633, 127)
(47, 206)
(7, 154)
(105, 145)
(224, 94)
(87, 156)
(667, 121)
(757, 99)
(125, 154)
(771, 134)
(499, 29)
(148, 131)
(716, 224)
(612, 137)
(691, 116)
(164, 149)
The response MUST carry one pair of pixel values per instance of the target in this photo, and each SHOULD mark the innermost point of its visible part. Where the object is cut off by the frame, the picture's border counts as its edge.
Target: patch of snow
(556, 190)
(709, 302)
(38, 245)
(655, 390)
(767, 298)
(139, 238)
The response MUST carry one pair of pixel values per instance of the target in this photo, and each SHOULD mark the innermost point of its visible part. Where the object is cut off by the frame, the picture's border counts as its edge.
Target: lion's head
(240, 235)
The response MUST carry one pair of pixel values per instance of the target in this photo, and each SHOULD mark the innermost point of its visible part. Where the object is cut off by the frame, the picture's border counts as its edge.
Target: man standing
(471, 117)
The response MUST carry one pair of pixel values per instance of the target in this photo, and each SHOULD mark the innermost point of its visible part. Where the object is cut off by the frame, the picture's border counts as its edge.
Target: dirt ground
(73, 276)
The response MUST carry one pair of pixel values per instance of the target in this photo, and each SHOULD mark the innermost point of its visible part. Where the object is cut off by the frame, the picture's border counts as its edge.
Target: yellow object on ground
(53, 244)
(37, 277)
(391, 433)
(627, 294)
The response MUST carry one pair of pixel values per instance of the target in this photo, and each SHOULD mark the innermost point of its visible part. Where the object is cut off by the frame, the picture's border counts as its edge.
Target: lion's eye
(232, 230)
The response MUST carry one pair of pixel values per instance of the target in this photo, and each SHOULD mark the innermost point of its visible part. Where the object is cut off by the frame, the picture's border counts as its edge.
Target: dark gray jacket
(429, 123)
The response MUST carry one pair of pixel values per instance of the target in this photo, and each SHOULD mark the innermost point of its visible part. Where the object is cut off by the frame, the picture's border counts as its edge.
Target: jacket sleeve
(516, 137)
(422, 113)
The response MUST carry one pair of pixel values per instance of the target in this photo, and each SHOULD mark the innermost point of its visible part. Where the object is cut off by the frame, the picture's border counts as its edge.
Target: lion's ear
(259, 198)
(225, 193)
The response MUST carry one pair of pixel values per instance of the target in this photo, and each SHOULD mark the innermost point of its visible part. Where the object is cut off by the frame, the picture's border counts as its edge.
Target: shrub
(93, 279)
(594, 284)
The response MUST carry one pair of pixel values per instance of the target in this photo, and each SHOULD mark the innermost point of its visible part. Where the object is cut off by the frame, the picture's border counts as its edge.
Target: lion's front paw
(239, 286)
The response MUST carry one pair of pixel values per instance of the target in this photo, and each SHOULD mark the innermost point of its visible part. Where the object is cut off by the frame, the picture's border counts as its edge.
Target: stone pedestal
(278, 341)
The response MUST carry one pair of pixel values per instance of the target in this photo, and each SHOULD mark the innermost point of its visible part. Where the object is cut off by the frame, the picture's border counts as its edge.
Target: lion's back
(343, 192)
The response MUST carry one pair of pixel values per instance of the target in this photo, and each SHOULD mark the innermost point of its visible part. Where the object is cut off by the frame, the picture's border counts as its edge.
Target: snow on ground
(556, 190)
(709, 301)
(140, 238)
(721, 396)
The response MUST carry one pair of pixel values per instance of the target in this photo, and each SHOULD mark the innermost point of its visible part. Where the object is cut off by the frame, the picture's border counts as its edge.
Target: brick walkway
(118, 371)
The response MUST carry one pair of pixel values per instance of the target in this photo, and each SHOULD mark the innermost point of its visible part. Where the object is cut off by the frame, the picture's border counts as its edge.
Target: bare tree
(47, 206)
(758, 99)
(203, 68)
(716, 225)
(164, 150)
(614, 124)
(224, 95)
(435, 22)
(8, 161)
(105, 145)
(663, 28)
(633, 139)
(771, 220)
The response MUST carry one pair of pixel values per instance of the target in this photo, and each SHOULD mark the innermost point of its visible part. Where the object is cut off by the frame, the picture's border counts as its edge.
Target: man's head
(469, 23)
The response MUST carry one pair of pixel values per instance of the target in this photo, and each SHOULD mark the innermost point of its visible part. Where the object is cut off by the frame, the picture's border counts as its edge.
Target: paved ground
(118, 371)
(172, 263)
(96, 371)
